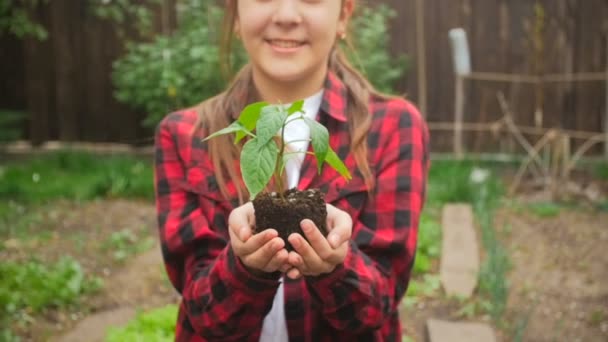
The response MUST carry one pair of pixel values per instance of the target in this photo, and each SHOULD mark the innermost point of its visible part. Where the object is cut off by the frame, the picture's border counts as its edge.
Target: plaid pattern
(358, 301)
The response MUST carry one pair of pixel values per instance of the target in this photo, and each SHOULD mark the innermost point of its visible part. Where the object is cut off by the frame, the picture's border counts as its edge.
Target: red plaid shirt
(358, 301)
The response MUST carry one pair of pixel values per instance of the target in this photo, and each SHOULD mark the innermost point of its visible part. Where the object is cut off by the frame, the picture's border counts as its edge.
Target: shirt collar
(334, 98)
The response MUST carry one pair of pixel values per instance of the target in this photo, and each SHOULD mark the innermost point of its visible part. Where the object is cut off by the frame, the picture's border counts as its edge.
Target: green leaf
(320, 140)
(271, 121)
(234, 127)
(296, 107)
(334, 161)
(257, 164)
(249, 118)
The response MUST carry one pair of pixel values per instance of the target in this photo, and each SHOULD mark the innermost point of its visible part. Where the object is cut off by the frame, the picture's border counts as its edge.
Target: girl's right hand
(261, 253)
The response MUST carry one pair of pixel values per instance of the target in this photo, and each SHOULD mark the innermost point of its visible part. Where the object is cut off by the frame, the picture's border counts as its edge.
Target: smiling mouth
(285, 44)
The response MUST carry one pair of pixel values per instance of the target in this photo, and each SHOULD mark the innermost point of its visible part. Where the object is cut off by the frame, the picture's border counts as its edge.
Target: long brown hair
(217, 112)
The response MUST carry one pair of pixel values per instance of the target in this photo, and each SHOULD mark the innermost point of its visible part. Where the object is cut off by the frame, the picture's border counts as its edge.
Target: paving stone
(94, 328)
(444, 331)
(459, 265)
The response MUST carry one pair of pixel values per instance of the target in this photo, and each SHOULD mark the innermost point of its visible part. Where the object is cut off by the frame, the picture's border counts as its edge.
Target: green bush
(183, 69)
(35, 285)
(371, 44)
(157, 325)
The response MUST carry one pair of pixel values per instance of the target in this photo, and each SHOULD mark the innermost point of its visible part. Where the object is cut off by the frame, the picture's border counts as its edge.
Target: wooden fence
(64, 82)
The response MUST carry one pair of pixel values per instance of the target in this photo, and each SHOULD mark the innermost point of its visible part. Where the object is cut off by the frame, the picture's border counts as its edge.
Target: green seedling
(262, 156)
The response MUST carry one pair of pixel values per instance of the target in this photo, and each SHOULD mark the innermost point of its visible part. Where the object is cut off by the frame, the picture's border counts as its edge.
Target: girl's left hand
(320, 255)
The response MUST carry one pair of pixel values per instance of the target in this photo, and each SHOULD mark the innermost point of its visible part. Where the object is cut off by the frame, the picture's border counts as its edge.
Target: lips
(285, 44)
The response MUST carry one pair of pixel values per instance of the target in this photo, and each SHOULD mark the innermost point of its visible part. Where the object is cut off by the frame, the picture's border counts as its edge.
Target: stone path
(459, 252)
(140, 285)
(443, 331)
(458, 271)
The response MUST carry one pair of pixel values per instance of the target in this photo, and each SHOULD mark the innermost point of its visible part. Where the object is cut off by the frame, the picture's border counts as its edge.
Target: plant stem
(277, 168)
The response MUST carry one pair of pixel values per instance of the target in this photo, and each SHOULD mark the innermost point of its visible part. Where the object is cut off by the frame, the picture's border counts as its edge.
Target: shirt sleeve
(365, 291)
(221, 299)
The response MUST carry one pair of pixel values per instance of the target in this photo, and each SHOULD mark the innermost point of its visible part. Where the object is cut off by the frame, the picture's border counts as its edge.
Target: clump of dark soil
(284, 213)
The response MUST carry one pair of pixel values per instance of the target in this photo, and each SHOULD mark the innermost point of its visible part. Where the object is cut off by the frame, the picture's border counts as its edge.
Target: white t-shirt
(274, 328)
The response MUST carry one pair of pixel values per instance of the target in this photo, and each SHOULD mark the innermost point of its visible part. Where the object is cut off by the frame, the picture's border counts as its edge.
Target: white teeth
(285, 43)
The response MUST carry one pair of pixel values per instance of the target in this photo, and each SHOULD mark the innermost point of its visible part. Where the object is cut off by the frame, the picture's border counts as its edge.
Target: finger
(286, 266)
(256, 241)
(310, 258)
(294, 273)
(340, 225)
(295, 260)
(278, 261)
(242, 216)
(316, 239)
(262, 256)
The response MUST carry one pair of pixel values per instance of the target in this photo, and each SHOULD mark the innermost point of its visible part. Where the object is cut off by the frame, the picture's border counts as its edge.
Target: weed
(545, 209)
(493, 274)
(157, 325)
(34, 286)
(601, 171)
(125, 243)
(429, 243)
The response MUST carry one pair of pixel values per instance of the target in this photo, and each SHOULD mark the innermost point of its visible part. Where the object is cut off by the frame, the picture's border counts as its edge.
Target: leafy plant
(545, 209)
(125, 243)
(157, 325)
(371, 35)
(34, 286)
(262, 158)
(174, 71)
(429, 243)
(15, 19)
(121, 12)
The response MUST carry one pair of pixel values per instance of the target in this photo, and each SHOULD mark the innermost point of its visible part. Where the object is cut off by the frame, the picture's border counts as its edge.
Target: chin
(287, 77)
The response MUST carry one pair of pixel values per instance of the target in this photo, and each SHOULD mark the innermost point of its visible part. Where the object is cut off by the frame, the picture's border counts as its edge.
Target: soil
(557, 282)
(558, 277)
(284, 213)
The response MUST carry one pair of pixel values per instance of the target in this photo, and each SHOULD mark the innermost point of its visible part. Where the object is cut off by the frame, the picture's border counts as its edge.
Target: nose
(287, 13)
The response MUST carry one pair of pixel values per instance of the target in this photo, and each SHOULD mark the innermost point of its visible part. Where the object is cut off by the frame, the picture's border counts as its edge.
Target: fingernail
(305, 226)
(333, 240)
(295, 243)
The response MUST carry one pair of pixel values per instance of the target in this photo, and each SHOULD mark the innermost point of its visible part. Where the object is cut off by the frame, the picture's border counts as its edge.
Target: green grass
(33, 286)
(429, 243)
(157, 325)
(77, 176)
(125, 243)
(67, 175)
(450, 181)
(601, 171)
(545, 209)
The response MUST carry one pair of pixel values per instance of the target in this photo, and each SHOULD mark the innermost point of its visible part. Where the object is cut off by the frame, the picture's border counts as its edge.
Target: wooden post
(421, 56)
(606, 105)
(458, 116)
(462, 68)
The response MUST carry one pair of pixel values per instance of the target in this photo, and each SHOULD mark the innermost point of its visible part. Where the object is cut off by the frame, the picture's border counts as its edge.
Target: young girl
(239, 286)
